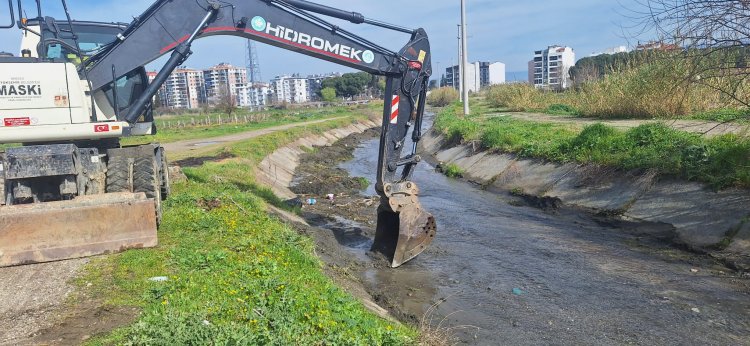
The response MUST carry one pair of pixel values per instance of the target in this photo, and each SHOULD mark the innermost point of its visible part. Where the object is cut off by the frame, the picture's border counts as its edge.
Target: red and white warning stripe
(394, 109)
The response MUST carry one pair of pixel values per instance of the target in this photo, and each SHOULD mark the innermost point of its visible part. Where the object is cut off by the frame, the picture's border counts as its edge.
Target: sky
(499, 30)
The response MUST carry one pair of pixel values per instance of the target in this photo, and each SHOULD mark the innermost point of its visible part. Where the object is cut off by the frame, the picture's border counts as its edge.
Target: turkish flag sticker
(101, 128)
(16, 122)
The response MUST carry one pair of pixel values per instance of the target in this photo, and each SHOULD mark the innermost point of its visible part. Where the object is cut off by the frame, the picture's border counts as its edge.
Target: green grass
(561, 109)
(724, 115)
(236, 275)
(363, 182)
(720, 161)
(452, 170)
(275, 118)
(188, 131)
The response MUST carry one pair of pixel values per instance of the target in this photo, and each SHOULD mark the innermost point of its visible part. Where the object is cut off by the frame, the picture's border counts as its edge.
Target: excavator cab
(55, 42)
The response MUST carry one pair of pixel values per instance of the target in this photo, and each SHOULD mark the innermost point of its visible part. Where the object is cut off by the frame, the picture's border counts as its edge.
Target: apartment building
(480, 74)
(551, 67)
(183, 89)
(289, 89)
(256, 96)
(224, 78)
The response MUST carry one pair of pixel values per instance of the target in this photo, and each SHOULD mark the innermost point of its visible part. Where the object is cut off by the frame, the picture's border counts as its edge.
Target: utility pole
(464, 59)
(460, 68)
(439, 75)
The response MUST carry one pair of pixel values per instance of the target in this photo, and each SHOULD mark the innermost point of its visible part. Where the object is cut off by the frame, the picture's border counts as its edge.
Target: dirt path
(708, 128)
(33, 297)
(194, 147)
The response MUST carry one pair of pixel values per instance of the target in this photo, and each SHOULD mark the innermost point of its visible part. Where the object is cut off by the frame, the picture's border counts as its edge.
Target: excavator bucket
(404, 228)
(86, 226)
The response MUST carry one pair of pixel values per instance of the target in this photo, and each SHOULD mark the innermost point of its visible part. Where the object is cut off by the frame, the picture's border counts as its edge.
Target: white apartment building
(256, 96)
(290, 89)
(551, 67)
(480, 74)
(232, 79)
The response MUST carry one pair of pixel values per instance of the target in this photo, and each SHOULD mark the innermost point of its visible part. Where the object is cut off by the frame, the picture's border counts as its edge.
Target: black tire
(118, 175)
(161, 158)
(147, 179)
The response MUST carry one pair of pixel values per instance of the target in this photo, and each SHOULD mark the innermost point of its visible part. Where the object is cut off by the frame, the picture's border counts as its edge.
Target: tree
(349, 84)
(328, 94)
(713, 36)
(225, 101)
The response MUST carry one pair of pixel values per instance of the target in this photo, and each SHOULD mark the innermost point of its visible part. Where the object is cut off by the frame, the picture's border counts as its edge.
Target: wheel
(3, 197)
(118, 175)
(140, 174)
(161, 159)
(147, 179)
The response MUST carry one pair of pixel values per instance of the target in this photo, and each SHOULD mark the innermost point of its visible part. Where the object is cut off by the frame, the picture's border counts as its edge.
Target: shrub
(452, 170)
(328, 94)
(442, 97)
(561, 109)
(516, 97)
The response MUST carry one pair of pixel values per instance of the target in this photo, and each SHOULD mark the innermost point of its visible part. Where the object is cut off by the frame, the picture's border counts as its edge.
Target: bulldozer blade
(86, 226)
(404, 233)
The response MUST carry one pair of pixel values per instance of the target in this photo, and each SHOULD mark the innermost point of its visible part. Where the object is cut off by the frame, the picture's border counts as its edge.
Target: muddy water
(500, 273)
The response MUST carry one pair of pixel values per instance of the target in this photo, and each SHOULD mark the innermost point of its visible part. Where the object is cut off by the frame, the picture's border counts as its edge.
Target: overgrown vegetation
(721, 161)
(236, 276)
(664, 86)
(442, 97)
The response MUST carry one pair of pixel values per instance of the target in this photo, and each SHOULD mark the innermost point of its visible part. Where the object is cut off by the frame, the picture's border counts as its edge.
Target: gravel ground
(31, 298)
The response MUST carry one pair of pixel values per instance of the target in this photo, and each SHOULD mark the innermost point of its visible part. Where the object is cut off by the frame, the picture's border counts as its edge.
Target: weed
(363, 182)
(561, 109)
(442, 97)
(453, 170)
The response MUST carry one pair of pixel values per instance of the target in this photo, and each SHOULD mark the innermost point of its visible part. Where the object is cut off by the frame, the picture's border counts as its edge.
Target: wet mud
(507, 269)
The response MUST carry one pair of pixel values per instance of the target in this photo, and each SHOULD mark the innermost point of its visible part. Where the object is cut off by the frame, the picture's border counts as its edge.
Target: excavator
(69, 189)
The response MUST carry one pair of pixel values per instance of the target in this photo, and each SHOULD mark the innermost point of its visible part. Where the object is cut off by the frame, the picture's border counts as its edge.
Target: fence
(211, 120)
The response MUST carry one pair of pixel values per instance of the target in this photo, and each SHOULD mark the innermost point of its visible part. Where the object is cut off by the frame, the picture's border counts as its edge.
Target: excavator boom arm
(168, 23)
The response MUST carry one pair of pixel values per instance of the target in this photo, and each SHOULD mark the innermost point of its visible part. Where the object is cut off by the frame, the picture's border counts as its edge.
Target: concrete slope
(702, 218)
(277, 169)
